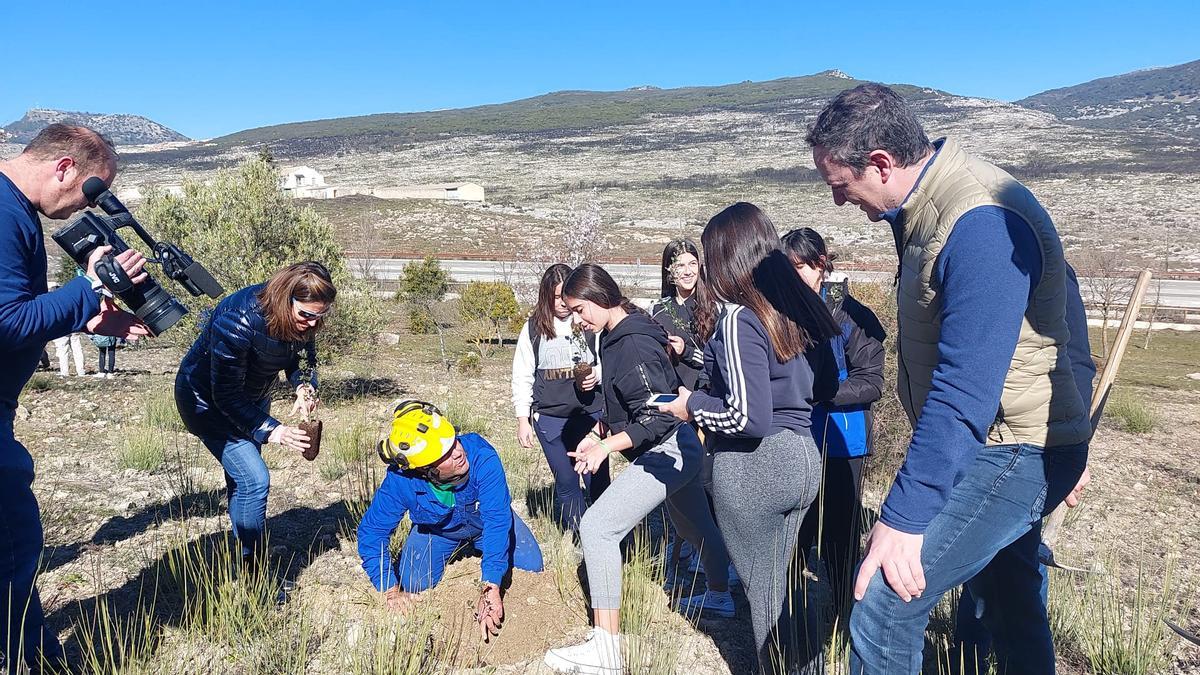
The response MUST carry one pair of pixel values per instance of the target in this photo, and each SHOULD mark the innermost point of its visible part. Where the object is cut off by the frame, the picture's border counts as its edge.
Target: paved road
(647, 277)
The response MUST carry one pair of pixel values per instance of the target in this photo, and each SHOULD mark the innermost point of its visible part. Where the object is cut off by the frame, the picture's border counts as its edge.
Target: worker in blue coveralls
(455, 493)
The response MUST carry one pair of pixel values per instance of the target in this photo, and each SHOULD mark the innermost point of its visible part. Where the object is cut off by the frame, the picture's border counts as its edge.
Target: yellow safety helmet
(419, 436)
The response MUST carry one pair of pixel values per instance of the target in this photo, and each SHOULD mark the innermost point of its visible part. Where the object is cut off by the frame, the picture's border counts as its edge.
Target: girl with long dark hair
(686, 309)
(665, 463)
(223, 386)
(841, 426)
(766, 468)
(551, 401)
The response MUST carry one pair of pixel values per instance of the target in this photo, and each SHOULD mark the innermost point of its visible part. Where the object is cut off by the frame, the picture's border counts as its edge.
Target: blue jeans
(23, 636)
(247, 481)
(990, 528)
(423, 559)
(972, 639)
(558, 435)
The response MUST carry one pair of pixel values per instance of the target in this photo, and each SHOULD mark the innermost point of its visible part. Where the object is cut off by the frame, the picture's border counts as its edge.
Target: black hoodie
(636, 367)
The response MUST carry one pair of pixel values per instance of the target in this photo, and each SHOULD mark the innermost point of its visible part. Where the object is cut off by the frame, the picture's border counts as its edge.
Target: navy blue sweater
(29, 316)
(751, 394)
(986, 271)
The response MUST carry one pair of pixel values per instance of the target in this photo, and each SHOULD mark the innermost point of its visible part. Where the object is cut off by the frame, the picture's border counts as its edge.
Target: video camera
(158, 309)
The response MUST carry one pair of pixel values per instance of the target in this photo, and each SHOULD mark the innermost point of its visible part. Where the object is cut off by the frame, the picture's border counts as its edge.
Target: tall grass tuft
(1131, 413)
(159, 411)
(466, 417)
(143, 449)
(1123, 632)
(361, 480)
(345, 448)
(652, 645)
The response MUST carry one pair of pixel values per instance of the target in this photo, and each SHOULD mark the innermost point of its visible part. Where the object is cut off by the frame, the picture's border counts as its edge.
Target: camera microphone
(98, 195)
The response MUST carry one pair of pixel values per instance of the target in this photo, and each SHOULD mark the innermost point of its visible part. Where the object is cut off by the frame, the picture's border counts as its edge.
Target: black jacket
(843, 425)
(229, 371)
(679, 320)
(636, 366)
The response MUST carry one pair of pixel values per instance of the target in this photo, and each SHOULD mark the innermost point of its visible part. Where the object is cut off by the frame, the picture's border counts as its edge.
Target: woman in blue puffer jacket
(222, 389)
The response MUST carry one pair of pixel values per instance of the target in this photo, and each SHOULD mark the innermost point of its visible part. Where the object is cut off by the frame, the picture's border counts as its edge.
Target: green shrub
(470, 364)
(487, 307)
(244, 228)
(420, 320)
(43, 382)
(1131, 413)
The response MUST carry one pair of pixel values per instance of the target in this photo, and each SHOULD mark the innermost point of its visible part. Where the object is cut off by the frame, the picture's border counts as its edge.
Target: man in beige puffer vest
(1000, 429)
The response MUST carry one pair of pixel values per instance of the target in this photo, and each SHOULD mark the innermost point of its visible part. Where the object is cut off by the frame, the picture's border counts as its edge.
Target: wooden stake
(1108, 374)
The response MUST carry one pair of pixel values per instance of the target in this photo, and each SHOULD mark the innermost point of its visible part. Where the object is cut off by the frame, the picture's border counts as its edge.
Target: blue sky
(212, 68)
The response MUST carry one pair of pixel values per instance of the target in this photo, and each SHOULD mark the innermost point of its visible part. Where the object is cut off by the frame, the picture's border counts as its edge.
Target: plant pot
(582, 371)
(313, 429)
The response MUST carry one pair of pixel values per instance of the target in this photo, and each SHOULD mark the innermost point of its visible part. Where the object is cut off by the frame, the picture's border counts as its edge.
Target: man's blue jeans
(426, 551)
(972, 639)
(990, 527)
(23, 636)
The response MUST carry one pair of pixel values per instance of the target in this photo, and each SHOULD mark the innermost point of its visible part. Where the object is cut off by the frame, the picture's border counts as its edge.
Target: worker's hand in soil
(489, 612)
(589, 383)
(398, 601)
(306, 401)
(525, 433)
(1072, 499)
(289, 437)
(589, 454)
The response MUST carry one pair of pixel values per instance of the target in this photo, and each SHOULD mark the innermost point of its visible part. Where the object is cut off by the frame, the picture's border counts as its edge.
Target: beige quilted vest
(1040, 403)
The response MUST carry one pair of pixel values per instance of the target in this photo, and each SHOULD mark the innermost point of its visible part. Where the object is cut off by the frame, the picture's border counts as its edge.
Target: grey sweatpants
(761, 495)
(668, 472)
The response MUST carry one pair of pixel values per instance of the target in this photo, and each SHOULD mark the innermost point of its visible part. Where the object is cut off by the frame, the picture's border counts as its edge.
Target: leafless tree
(1157, 299)
(366, 243)
(1104, 286)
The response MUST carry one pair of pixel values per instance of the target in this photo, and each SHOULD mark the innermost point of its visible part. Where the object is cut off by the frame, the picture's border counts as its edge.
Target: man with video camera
(46, 178)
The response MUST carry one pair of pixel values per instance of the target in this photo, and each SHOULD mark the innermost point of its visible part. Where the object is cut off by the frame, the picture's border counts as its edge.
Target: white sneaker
(598, 654)
(99, 376)
(708, 603)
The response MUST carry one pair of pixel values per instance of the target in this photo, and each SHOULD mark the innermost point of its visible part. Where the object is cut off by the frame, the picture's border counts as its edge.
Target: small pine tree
(423, 285)
(488, 306)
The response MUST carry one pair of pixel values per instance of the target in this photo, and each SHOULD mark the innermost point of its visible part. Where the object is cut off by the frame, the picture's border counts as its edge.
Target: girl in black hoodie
(665, 464)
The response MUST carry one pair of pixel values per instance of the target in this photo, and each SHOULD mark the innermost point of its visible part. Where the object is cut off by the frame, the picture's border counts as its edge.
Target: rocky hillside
(1164, 100)
(560, 112)
(122, 129)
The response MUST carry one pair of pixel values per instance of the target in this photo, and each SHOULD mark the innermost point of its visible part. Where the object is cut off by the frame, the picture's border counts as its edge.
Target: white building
(301, 177)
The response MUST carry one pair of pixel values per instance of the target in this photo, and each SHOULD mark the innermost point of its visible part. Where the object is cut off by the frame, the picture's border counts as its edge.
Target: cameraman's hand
(289, 437)
(130, 260)
(117, 323)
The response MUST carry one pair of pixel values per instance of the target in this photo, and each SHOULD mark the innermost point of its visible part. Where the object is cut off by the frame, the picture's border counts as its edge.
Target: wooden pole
(1108, 374)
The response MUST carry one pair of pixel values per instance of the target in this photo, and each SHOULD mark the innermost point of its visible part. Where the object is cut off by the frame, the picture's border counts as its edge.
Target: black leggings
(836, 516)
(108, 359)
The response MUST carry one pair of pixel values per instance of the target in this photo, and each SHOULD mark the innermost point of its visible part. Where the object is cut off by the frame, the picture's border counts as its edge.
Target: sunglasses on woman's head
(304, 314)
